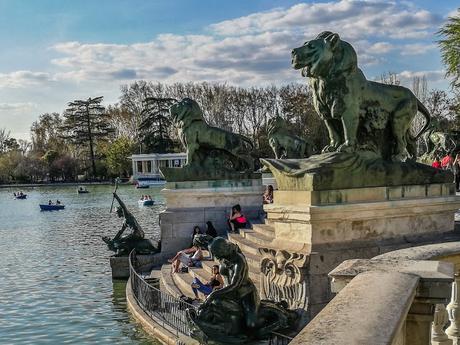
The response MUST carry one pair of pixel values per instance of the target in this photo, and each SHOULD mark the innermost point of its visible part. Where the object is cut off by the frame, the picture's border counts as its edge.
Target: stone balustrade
(396, 298)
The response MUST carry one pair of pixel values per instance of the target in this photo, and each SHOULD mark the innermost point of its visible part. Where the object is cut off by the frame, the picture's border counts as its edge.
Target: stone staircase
(249, 241)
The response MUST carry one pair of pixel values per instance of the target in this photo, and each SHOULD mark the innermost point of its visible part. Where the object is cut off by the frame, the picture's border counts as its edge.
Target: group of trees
(94, 141)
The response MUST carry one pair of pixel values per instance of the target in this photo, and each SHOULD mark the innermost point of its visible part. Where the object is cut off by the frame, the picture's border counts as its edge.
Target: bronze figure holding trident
(122, 245)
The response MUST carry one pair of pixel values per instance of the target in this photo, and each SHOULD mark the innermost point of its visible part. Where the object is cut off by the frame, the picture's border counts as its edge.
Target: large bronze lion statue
(285, 144)
(356, 110)
(204, 142)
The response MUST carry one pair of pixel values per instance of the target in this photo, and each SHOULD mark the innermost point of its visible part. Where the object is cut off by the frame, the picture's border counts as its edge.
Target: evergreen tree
(156, 126)
(450, 47)
(86, 122)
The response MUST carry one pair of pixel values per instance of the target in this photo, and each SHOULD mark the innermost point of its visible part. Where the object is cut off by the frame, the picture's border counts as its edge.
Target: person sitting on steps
(216, 282)
(196, 231)
(188, 257)
(210, 229)
(237, 220)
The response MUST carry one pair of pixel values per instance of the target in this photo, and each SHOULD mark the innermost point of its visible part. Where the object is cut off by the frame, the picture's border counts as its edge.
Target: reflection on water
(55, 284)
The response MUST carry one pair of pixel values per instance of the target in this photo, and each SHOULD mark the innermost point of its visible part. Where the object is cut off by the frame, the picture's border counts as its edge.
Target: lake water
(55, 278)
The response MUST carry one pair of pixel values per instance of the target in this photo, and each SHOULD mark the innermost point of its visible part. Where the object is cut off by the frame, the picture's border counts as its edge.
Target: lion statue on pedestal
(207, 145)
(359, 114)
(285, 144)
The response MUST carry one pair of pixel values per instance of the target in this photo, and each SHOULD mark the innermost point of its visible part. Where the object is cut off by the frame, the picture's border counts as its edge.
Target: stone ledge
(215, 184)
(426, 252)
(359, 195)
(379, 300)
(430, 272)
(328, 212)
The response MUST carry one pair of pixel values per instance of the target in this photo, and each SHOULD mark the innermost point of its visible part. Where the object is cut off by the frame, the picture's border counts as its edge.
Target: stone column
(453, 331)
(418, 323)
(438, 336)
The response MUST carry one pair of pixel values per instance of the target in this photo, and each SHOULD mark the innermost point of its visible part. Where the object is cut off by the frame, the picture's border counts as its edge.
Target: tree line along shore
(92, 141)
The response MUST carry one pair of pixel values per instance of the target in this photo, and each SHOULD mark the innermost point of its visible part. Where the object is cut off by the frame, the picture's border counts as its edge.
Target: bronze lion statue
(285, 144)
(359, 114)
(204, 142)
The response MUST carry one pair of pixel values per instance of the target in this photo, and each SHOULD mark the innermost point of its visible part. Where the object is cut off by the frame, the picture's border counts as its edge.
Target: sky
(55, 51)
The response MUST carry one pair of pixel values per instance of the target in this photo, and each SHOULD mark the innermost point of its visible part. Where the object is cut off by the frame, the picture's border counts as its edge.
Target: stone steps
(264, 229)
(246, 246)
(249, 241)
(260, 239)
(167, 282)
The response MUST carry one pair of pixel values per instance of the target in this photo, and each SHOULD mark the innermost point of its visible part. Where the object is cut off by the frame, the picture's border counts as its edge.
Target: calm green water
(55, 281)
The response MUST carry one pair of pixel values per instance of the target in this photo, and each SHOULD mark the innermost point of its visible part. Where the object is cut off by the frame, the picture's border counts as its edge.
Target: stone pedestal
(196, 202)
(307, 219)
(330, 226)
(120, 264)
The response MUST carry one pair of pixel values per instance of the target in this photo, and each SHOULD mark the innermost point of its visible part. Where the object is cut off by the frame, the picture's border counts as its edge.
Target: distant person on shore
(456, 172)
(447, 161)
(188, 257)
(268, 195)
(436, 163)
(237, 220)
(216, 282)
(210, 229)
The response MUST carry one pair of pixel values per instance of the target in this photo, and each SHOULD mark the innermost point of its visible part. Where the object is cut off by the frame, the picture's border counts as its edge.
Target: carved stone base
(305, 219)
(324, 228)
(195, 203)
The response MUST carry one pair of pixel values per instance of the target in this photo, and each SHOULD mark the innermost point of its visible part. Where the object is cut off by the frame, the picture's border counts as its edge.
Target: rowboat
(82, 190)
(46, 207)
(145, 202)
(19, 197)
(146, 182)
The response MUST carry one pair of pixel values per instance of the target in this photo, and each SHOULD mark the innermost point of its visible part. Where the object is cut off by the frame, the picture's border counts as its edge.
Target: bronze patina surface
(359, 114)
(340, 170)
(123, 245)
(285, 144)
(212, 153)
(235, 314)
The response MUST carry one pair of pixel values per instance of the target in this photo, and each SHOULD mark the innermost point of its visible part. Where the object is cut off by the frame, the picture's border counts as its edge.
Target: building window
(149, 166)
(177, 163)
(139, 167)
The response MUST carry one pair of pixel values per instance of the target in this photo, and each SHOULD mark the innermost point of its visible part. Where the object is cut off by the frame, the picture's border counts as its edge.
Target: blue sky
(54, 51)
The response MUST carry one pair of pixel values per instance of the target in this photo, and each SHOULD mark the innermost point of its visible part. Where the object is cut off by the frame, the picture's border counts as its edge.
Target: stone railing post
(453, 331)
(438, 336)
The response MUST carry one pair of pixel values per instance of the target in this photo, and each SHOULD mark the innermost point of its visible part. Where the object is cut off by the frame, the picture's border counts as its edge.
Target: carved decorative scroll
(283, 277)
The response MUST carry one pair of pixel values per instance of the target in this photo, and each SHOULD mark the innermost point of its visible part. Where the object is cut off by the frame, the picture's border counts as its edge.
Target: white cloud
(19, 79)
(417, 48)
(352, 18)
(252, 49)
(17, 106)
(431, 76)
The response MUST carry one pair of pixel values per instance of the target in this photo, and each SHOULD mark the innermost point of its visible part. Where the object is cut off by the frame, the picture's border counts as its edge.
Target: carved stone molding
(283, 277)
